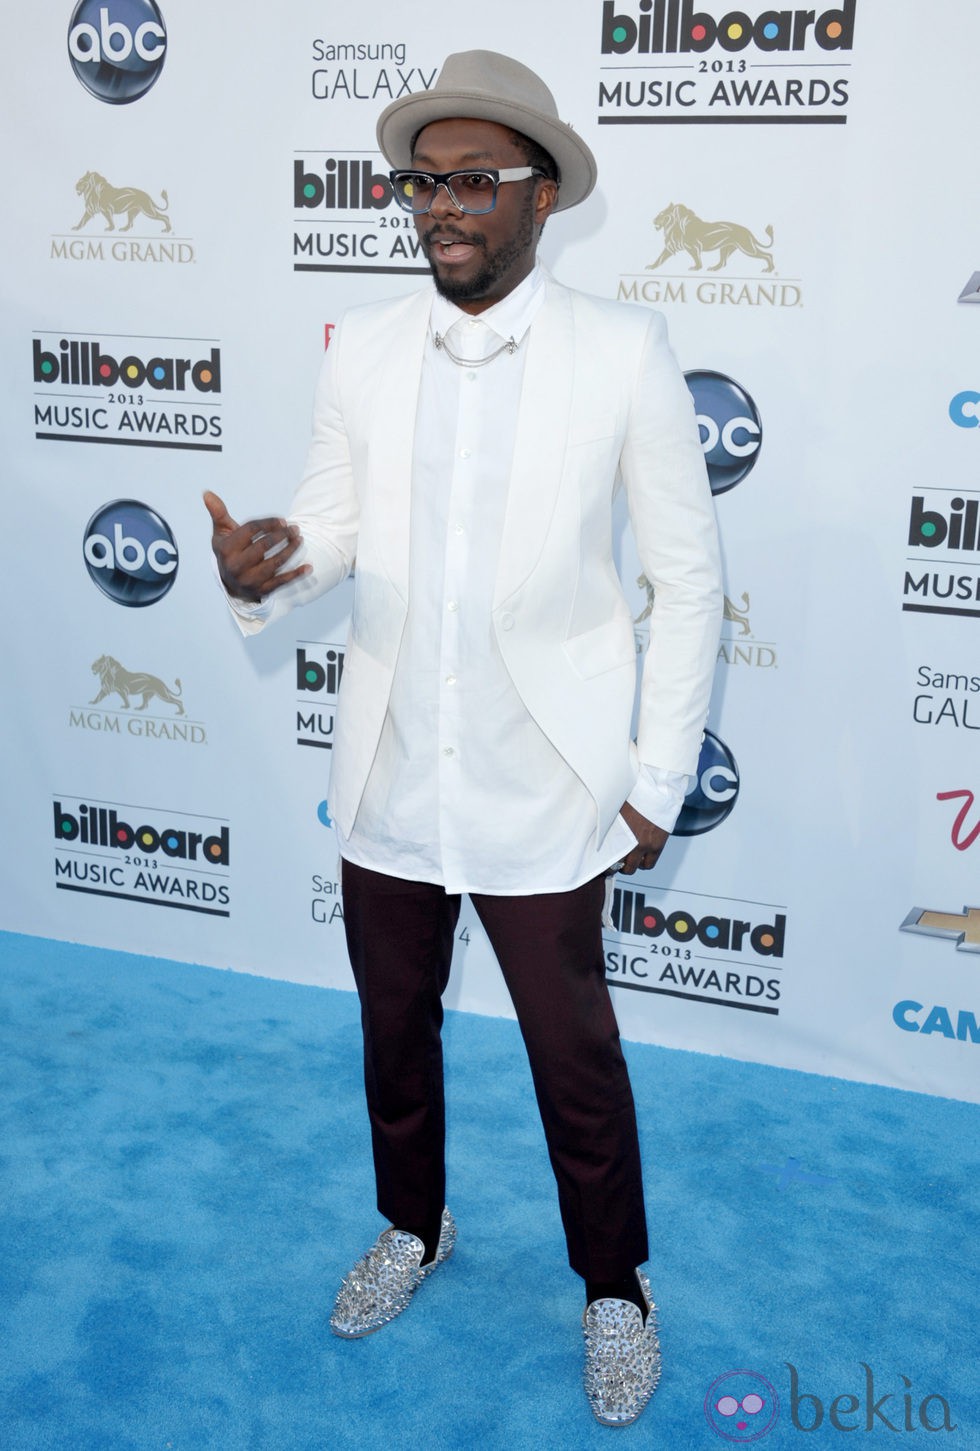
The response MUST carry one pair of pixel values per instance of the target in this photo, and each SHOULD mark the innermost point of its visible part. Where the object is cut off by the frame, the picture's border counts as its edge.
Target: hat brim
(400, 123)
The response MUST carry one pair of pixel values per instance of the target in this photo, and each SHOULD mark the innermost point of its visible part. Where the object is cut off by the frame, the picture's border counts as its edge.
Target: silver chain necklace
(442, 346)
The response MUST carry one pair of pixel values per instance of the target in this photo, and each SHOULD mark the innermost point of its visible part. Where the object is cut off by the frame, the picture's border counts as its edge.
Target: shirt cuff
(249, 616)
(659, 795)
(260, 610)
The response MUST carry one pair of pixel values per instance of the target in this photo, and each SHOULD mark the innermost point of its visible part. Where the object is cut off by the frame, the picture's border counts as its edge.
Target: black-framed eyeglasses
(471, 191)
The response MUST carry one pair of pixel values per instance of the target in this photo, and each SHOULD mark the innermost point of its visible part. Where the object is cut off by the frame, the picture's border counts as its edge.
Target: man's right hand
(247, 568)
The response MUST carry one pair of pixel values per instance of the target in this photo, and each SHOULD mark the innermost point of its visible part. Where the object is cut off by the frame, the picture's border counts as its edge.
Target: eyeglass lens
(472, 191)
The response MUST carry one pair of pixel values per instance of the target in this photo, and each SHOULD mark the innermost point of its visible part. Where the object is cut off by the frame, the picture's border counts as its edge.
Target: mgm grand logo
(110, 202)
(135, 690)
(686, 237)
(102, 199)
(738, 645)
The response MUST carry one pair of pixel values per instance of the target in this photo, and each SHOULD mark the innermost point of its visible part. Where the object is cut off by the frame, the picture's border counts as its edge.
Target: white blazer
(603, 404)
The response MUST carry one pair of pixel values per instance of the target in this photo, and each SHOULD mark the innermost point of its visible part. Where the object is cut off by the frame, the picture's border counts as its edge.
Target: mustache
(441, 233)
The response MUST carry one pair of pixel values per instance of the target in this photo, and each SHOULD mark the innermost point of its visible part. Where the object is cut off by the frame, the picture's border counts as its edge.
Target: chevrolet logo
(962, 927)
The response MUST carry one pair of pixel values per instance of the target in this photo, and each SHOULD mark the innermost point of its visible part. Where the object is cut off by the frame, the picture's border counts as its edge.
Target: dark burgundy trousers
(400, 937)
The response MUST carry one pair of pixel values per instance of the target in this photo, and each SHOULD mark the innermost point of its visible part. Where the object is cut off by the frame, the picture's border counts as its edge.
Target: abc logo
(964, 409)
(130, 553)
(714, 792)
(731, 430)
(117, 50)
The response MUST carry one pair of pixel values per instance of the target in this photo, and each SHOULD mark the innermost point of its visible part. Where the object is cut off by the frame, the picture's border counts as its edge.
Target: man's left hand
(651, 841)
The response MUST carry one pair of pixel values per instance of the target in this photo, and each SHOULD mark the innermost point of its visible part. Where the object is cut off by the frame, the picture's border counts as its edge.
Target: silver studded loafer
(622, 1357)
(383, 1281)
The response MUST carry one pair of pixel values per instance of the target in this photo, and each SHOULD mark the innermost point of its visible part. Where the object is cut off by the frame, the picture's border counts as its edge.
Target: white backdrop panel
(849, 718)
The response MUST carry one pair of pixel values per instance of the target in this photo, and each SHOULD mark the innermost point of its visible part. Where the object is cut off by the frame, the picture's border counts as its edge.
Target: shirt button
(450, 680)
(506, 622)
(452, 607)
(470, 377)
(457, 529)
(464, 453)
(448, 751)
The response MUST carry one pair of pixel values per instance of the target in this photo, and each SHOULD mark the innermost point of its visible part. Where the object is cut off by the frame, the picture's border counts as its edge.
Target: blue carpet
(186, 1176)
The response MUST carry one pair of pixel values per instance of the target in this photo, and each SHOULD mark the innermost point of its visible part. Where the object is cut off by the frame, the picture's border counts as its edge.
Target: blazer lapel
(539, 448)
(394, 382)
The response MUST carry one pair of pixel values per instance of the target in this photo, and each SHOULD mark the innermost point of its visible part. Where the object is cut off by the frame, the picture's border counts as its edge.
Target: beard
(495, 264)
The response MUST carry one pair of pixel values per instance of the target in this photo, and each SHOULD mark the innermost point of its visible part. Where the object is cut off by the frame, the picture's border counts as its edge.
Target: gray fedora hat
(482, 85)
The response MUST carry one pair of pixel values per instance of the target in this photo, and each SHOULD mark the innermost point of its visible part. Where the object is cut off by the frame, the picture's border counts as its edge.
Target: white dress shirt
(445, 800)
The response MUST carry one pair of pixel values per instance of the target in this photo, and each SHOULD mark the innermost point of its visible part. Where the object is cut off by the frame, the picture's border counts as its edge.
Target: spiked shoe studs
(622, 1357)
(382, 1283)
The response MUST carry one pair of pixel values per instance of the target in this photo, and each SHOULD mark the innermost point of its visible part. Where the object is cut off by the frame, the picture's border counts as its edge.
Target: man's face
(477, 260)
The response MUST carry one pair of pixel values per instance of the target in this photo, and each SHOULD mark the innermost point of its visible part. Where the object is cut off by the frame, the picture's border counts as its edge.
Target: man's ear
(544, 201)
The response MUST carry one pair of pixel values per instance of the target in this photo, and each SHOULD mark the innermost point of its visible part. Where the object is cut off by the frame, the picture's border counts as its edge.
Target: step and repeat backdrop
(194, 196)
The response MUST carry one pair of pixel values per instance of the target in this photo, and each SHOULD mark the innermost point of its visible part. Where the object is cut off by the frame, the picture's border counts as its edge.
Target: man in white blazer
(468, 443)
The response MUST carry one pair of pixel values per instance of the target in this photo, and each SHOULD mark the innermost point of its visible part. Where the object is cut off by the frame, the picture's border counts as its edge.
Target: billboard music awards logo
(667, 943)
(944, 558)
(130, 553)
(693, 245)
(665, 62)
(117, 50)
(366, 71)
(153, 241)
(345, 217)
(319, 669)
(131, 390)
(138, 704)
(159, 857)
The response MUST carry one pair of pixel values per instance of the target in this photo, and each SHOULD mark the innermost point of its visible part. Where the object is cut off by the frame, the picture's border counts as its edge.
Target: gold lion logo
(116, 680)
(737, 616)
(731, 612)
(112, 201)
(647, 587)
(684, 231)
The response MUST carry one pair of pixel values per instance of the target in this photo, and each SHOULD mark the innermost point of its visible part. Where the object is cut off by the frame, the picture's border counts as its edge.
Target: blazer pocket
(588, 439)
(609, 646)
